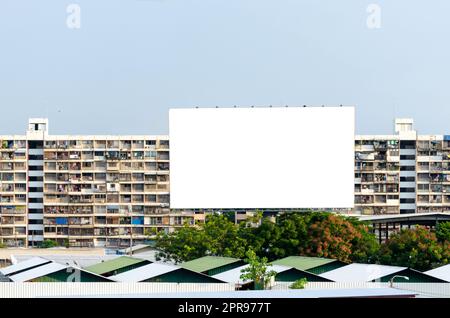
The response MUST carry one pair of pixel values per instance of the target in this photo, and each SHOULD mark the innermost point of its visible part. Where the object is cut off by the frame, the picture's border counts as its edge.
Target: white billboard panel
(281, 157)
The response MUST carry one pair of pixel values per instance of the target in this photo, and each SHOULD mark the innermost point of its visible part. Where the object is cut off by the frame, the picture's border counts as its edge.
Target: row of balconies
(13, 166)
(114, 198)
(98, 209)
(153, 176)
(377, 210)
(13, 187)
(433, 145)
(13, 209)
(11, 177)
(161, 154)
(371, 179)
(372, 189)
(12, 231)
(432, 209)
(107, 144)
(13, 144)
(80, 189)
(11, 220)
(377, 199)
(433, 199)
(16, 198)
(103, 166)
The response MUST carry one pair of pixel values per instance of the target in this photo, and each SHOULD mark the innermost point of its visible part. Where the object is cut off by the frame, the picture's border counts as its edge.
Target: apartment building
(402, 173)
(114, 190)
(84, 190)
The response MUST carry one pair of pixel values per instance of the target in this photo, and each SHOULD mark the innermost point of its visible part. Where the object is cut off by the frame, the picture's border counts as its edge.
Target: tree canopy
(311, 234)
(443, 231)
(417, 248)
(318, 234)
(258, 270)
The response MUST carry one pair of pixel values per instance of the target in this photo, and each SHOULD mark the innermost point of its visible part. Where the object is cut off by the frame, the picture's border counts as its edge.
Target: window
(35, 211)
(35, 221)
(36, 168)
(423, 187)
(36, 200)
(35, 232)
(411, 200)
(407, 168)
(407, 190)
(407, 144)
(35, 157)
(36, 144)
(408, 179)
(407, 157)
(36, 179)
(36, 189)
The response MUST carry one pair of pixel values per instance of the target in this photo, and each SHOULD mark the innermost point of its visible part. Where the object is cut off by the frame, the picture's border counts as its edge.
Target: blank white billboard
(280, 157)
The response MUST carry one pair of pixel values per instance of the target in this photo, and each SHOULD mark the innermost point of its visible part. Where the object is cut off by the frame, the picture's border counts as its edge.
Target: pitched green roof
(207, 263)
(114, 264)
(303, 263)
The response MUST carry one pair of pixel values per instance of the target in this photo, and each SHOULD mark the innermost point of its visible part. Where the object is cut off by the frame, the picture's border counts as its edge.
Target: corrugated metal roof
(144, 272)
(71, 260)
(29, 263)
(136, 248)
(207, 263)
(361, 272)
(37, 272)
(114, 264)
(233, 276)
(303, 262)
(442, 272)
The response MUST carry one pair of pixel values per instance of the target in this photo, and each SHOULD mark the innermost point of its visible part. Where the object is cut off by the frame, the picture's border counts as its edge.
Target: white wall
(296, 157)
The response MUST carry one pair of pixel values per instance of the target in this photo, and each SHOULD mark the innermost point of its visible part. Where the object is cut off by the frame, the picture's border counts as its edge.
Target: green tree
(217, 236)
(183, 245)
(443, 231)
(258, 270)
(317, 234)
(280, 238)
(49, 244)
(299, 284)
(335, 236)
(416, 248)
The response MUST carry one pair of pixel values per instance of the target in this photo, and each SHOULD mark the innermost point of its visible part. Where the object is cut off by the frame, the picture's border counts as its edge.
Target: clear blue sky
(134, 59)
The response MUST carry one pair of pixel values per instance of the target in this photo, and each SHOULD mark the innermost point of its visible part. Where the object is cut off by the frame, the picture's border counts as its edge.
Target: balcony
(7, 144)
(363, 199)
(163, 157)
(138, 144)
(7, 188)
(7, 166)
(165, 166)
(163, 144)
(6, 156)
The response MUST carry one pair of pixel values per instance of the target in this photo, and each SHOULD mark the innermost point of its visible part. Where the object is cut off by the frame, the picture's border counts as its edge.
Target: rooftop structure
(314, 265)
(377, 273)
(212, 265)
(117, 266)
(442, 272)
